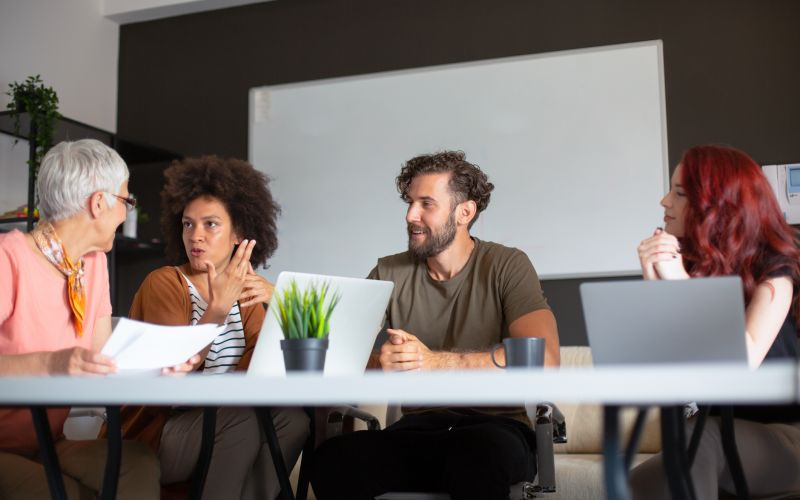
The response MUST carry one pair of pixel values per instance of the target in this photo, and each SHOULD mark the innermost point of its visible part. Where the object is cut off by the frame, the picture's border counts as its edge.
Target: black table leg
(265, 417)
(673, 445)
(732, 453)
(308, 456)
(114, 455)
(48, 452)
(636, 436)
(683, 458)
(613, 460)
(206, 450)
(697, 433)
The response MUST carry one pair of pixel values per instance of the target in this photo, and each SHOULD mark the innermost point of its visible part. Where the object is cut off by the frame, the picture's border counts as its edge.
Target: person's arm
(541, 323)
(72, 361)
(404, 351)
(102, 332)
(765, 315)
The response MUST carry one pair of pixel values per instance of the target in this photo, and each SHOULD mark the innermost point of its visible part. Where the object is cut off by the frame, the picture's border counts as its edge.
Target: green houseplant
(41, 104)
(304, 317)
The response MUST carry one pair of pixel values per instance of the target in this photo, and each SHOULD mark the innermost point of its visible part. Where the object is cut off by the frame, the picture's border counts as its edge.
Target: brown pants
(770, 455)
(241, 466)
(82, 466)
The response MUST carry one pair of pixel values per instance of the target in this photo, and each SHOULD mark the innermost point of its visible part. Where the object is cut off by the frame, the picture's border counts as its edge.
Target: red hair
(733, 223)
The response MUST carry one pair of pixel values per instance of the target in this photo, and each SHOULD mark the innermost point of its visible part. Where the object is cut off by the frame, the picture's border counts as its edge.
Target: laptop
(698, 320)
(355, 322)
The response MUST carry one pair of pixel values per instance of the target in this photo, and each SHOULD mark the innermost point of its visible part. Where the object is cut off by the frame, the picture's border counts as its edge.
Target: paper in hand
(135, 345)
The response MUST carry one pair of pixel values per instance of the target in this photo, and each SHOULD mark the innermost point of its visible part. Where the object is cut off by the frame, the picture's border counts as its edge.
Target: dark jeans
(469, 457)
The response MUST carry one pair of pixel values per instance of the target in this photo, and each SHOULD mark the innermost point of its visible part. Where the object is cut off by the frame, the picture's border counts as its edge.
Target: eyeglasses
(130, 201)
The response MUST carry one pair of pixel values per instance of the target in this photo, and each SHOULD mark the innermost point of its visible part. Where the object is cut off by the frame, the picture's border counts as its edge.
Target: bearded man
(455, 296)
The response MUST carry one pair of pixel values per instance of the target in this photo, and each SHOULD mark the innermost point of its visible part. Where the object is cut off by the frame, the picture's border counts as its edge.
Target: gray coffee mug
(521, 352)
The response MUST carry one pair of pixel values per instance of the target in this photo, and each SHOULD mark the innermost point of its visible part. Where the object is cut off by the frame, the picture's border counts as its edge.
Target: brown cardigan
(164, 299)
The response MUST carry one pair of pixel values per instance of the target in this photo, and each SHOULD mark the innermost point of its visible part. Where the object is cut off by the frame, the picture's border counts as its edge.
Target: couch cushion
(585, 421)
(581, 476)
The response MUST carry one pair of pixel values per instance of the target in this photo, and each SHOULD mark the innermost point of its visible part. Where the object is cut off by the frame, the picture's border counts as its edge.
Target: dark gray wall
(732, 67)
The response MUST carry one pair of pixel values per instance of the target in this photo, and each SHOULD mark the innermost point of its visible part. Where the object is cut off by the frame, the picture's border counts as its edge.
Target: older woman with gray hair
(55, 317)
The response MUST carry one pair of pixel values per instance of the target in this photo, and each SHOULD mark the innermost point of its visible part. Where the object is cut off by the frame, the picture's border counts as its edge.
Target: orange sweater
(164, 299)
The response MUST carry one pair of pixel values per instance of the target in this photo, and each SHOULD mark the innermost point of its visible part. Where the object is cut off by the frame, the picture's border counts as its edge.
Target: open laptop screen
(643, 322)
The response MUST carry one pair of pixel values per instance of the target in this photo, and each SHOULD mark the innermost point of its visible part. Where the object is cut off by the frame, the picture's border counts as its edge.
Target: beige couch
(579, 462)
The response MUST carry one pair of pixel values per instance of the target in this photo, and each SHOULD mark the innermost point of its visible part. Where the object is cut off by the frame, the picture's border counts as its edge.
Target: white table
(662, 385)
(628, 385)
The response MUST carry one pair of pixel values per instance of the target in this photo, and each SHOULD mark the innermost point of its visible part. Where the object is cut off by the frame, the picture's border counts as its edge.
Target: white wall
(74, 49)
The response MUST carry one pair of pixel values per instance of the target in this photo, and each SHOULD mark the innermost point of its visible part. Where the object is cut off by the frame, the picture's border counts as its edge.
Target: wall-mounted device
(785, 182)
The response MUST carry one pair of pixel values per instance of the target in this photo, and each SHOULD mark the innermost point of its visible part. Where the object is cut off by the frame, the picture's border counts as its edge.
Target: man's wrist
(446, 360)
(462, 360)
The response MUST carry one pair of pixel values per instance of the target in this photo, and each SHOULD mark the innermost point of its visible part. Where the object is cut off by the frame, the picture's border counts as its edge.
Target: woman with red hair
(721, 218)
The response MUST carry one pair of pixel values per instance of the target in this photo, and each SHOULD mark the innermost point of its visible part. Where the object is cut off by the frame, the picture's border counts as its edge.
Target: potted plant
(41, 105)
(304, 318)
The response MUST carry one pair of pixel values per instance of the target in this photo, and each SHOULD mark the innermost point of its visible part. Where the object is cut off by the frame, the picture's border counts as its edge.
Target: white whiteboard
(575, 143)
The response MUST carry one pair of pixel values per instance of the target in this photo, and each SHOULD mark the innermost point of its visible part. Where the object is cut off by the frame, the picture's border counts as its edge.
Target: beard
(435, 241)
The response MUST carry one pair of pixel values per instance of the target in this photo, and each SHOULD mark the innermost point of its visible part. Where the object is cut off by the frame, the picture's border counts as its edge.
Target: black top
(784, 346)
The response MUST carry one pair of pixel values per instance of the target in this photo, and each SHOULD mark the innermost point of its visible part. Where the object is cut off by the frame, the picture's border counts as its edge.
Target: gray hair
(72, 171)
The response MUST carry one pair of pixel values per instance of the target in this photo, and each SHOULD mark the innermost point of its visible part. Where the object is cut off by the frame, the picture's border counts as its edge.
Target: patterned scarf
(48, 242)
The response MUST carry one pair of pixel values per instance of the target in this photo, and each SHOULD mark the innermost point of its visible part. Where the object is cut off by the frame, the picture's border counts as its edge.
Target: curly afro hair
(467, 181)
(243, 190)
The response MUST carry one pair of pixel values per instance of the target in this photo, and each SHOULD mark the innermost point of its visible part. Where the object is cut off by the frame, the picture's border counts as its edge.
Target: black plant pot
(304, 355)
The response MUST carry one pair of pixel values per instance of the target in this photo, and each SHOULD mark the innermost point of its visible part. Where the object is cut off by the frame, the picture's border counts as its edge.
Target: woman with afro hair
(218, 219)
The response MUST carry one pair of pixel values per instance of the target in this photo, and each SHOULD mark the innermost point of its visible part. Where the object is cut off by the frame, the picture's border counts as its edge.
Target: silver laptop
(355, 323)
(642, 322)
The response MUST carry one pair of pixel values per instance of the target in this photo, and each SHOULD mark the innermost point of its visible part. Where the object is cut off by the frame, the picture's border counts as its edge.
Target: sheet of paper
(135, 345)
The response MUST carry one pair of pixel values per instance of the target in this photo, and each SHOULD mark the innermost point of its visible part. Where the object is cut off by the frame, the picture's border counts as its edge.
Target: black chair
(549, 426)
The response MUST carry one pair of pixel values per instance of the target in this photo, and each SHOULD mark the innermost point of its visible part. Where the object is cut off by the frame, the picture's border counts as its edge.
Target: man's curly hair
(243, 190)
(467, 181)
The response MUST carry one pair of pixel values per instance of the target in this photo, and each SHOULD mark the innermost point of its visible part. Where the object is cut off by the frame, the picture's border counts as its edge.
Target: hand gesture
(404, 351)
(256, 289)
(225, 288)
(79, 361)
(660, 257)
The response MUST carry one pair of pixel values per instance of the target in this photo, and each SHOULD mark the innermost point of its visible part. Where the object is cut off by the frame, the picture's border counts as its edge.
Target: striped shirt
(226, 350)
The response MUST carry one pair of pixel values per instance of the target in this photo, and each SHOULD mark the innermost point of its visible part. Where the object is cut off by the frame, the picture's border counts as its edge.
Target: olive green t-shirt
(471, 311)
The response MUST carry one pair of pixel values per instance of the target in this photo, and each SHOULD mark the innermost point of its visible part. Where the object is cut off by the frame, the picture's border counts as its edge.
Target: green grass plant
(305, 315)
